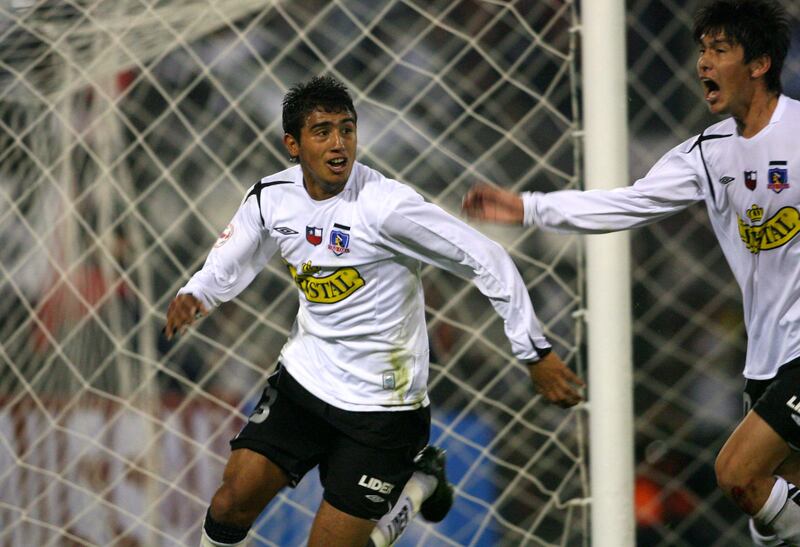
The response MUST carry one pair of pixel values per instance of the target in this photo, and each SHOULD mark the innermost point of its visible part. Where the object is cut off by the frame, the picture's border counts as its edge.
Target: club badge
(313, 235)
(750, 179)
(339, 242)
(778, 176)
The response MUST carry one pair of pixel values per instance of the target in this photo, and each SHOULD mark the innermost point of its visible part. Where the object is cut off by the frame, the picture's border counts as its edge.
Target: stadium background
(128, 135)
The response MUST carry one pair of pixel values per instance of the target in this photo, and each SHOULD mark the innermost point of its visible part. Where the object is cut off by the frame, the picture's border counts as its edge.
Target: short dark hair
(761, 27)
(321, 92)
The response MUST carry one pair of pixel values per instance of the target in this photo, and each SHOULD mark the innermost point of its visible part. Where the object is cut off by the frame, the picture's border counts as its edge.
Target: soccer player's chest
(328, 236)
(760, 188)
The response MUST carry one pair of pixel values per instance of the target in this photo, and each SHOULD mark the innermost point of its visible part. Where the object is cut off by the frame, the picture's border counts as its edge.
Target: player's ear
(760, 66)
(292, 146)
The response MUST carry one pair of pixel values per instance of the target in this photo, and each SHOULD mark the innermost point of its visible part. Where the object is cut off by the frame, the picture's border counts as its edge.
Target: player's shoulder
(788, 109)
(284, 180)
(716, 134)
(373, 185)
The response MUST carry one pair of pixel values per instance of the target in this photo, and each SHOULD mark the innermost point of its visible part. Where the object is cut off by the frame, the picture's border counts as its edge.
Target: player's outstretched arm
(555, 381)
(182, 312)
(486, 202)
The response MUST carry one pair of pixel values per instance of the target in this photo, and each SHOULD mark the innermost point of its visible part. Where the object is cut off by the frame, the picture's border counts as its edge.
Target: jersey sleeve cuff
(200, 296)
(528, 208)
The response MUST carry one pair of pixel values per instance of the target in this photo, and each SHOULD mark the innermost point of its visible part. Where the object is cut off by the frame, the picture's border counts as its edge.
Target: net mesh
(128, 133)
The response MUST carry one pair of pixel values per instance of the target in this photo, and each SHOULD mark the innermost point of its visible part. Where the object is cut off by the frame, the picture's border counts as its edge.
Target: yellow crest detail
(330, 288)
(755, 213)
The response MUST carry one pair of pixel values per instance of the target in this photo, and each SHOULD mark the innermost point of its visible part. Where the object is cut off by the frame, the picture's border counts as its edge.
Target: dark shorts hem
(341, 504)
(272, 455)
(777, 402)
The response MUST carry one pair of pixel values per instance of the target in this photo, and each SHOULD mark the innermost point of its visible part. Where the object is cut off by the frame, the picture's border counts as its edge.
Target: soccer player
(747, 171)
(350, 392)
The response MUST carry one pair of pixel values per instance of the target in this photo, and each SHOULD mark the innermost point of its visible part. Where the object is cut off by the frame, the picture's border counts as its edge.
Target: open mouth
(338, 164)
(711, 89)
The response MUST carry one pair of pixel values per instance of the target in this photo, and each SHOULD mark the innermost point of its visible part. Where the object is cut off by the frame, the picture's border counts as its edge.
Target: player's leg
(749, 464)
(762, 535)
(281, 441)
(366, 469)
(745, 470)
(426, 492)
(249, 483)
(335, 527)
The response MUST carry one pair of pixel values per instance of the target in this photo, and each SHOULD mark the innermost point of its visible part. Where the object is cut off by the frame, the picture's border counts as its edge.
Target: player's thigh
(364, 477)
(335, 527)
(249, 483)
(765, 437)
(754, 449)
(281, 441)
(286, 427)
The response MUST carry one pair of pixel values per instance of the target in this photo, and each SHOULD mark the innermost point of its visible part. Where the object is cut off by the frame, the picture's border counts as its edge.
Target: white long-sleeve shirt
(752, 195)
(359, 341)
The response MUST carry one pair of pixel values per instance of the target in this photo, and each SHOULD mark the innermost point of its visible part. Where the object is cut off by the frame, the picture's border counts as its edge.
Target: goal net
(129, 131)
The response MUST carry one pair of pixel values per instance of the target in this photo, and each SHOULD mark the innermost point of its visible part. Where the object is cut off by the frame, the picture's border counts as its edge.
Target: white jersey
(359, 341)
(753, 201)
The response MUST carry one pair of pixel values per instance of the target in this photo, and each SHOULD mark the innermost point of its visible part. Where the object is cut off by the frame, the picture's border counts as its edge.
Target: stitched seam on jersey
(256, 191)
(708, 175)
(699, 144)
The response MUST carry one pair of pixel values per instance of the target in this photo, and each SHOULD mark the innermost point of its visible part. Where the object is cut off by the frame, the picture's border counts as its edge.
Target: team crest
(778, 176)
(339, 243)
(750, 179)
(313, 235)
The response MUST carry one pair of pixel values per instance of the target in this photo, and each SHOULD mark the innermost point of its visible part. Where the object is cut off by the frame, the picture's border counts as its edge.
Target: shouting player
(350, 392)
(747, 171)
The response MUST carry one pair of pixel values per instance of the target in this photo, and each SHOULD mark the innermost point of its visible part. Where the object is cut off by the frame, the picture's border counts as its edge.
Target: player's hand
(555, 381)
(486, 202)
(182, 312)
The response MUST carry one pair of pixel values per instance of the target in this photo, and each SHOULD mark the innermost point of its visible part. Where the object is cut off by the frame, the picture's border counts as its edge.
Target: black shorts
(364, 458)
(777, 401)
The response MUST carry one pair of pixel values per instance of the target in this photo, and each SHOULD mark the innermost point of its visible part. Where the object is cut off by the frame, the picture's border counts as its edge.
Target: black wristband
(543, 352)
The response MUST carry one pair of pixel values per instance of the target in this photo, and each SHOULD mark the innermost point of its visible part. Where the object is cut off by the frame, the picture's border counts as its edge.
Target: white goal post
(608, 278)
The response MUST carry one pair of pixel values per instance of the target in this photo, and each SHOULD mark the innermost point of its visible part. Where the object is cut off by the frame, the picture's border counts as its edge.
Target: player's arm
(424, 231)
(671, 185)
(238, 255)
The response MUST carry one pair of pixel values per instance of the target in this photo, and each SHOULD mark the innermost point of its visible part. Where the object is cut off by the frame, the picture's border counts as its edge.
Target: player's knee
(730, 474)
(228, 508)
(735, 480)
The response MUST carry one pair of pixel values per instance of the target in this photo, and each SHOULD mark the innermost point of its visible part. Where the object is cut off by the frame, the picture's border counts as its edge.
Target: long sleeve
(238, 256)
(424, 231)
(671, 185)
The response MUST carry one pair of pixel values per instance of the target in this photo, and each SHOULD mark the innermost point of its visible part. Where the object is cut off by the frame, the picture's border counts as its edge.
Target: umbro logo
(726, 180)
(285, 231)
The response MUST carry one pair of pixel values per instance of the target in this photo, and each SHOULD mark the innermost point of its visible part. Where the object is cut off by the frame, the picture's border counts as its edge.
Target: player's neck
(755, 116)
